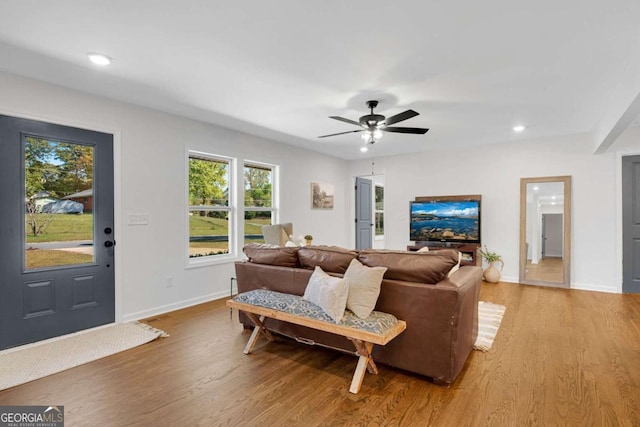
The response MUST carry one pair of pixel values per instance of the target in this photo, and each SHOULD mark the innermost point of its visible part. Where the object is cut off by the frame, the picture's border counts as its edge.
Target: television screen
(445, 220)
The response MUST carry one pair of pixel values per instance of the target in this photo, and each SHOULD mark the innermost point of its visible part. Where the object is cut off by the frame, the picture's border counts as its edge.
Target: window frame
(231, 210)
(274, 209)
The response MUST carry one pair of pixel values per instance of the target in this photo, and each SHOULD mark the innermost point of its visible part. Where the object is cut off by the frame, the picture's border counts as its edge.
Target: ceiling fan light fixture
(377, 134)
(99, 58)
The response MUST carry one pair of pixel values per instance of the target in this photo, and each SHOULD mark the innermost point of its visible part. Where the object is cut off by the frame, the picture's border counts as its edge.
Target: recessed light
(518, 128)
(364, 149)
(99, 58)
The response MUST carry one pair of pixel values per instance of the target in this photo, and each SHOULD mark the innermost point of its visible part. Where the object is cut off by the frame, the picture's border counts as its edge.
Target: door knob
(109, 243)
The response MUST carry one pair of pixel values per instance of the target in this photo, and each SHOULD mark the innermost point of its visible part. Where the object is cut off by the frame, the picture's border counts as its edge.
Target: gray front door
(364, 212)
(631, 224)
(56, 230)
(552, 235)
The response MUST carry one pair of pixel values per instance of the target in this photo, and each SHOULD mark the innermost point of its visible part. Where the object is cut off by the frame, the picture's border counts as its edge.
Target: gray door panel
(42, 301)
(552, 235)
(364, 212)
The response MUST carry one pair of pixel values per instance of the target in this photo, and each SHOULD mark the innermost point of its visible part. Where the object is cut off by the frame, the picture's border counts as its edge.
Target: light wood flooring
(548, 269)
(561, 357)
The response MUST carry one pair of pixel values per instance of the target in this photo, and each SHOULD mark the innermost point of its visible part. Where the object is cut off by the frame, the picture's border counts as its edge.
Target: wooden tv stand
(469, 250)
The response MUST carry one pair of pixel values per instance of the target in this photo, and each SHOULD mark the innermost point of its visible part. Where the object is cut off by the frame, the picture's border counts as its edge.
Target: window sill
(209, 261)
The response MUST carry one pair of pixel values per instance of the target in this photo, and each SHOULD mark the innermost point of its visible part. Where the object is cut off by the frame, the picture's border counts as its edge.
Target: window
(210, 210)
(379, 211)
(259, 206)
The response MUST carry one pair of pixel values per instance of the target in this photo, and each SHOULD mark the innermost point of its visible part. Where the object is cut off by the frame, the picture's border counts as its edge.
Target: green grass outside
(66, 227)
(205, 226)
(51, 258)
(63, 227)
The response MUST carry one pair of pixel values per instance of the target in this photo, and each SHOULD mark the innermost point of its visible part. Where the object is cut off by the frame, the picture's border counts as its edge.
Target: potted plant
(308, 238)
(491, 274)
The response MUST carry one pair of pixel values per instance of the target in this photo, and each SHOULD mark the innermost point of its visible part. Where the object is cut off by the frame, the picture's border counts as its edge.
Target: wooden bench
(258, 305)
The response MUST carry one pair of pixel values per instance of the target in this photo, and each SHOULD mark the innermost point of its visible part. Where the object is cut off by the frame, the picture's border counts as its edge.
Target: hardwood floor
(548, 269)
(561, 357)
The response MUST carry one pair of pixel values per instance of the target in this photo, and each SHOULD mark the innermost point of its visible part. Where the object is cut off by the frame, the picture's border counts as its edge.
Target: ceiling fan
(373, 125)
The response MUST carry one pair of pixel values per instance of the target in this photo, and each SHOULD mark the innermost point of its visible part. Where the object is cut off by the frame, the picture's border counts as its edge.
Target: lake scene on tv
(445, 221)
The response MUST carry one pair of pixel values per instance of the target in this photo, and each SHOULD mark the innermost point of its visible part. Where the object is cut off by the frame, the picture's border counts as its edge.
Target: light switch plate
(139, 219)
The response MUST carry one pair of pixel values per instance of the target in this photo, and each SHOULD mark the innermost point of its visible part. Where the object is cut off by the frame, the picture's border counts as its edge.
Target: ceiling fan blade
(341, 133)
(400, 117)
(342, 119)
(420, 131)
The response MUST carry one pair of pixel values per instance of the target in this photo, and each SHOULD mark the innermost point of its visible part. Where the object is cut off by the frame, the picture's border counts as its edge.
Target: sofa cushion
(430, 267)
(364, 287)
(328, 292)
(329, 258)
(271, 254)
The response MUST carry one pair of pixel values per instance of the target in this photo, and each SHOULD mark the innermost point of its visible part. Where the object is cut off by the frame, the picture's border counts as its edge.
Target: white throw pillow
(328, 292)
(364, 287)
(423, 249)
(455, 267)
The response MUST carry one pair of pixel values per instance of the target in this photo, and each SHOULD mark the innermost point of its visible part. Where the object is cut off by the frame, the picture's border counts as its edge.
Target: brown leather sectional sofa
(441, 312)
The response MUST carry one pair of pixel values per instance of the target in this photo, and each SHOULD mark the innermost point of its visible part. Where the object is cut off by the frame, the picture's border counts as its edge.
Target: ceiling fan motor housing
(371, 120)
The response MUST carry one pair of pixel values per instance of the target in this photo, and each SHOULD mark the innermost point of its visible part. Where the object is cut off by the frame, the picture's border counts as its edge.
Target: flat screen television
(446, 219)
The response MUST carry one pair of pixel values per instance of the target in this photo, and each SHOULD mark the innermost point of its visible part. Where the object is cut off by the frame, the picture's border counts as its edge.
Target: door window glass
(58, 203)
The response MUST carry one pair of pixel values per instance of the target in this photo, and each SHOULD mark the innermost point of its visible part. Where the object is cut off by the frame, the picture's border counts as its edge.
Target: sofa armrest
(467, 280)
(441, 323)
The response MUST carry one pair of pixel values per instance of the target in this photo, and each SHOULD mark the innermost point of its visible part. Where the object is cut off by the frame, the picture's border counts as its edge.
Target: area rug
(30, 362)
(489, 319)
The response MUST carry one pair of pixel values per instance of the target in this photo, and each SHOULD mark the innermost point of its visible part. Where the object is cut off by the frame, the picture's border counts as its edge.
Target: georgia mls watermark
(31, 416)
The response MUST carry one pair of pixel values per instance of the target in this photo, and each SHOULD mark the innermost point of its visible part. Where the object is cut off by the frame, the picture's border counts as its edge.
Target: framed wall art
(321, 196)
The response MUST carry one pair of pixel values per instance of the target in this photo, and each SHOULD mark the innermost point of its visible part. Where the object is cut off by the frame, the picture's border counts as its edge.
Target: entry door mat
(33, 361)
(489, 319)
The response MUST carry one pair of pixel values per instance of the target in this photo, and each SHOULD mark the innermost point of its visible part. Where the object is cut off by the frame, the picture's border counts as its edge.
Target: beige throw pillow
(364, 287)
(328, 292)
(455, 267)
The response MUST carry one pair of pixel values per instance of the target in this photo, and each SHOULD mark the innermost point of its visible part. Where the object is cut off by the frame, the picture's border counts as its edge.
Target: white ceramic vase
(492, 274)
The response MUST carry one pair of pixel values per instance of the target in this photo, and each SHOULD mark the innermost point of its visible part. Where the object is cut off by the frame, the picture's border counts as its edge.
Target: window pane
(253, 222)
(59, 198)
(379, 198)
(208, 233)
(208, 182)
(257, 186)
(379, 224)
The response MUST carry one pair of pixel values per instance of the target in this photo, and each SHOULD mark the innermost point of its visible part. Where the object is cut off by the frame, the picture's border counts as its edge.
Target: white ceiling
(278, 69)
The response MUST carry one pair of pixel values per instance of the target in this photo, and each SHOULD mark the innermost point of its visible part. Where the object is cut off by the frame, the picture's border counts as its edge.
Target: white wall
(150, 178)
(494, 172)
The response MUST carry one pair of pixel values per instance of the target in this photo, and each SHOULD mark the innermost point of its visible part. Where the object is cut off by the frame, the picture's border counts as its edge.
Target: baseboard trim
(174, 306)
(594, 288)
